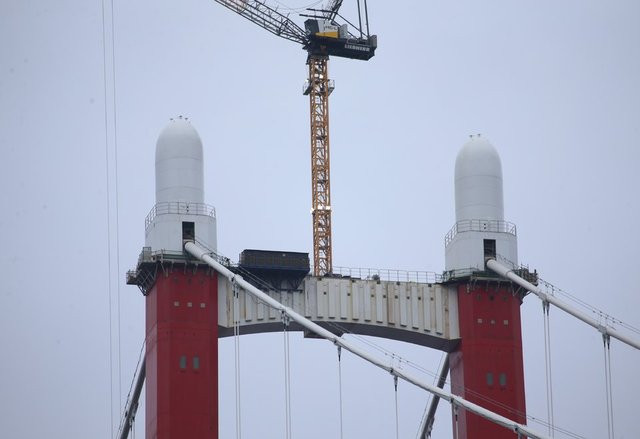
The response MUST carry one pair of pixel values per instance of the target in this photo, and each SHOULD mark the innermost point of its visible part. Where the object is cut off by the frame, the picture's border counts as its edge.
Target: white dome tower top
(179, 168)
(180, 213)
(480, 231)
(478, 181)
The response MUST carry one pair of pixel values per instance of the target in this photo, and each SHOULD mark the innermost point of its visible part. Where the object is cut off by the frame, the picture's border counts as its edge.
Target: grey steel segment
(407, 311)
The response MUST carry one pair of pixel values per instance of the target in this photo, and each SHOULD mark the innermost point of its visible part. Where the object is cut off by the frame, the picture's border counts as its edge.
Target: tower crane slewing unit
(321, 37)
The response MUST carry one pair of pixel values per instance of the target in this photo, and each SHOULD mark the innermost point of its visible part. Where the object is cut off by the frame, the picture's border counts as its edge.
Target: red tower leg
(182, 354)
(487, 368)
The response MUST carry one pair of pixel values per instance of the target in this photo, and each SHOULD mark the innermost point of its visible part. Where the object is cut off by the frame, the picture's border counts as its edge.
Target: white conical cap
(179, 164)
(478, 181)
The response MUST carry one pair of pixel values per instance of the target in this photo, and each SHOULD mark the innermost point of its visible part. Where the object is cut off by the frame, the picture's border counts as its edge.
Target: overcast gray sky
(554, 85)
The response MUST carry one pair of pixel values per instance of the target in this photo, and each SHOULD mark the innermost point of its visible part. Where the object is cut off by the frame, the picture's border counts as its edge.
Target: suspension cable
(454, 415)
(547, 366)
(117, 192)
(395, 387)
(607, 379)
(108, 206)
(340, 389)
(236, 337)
(287, 375)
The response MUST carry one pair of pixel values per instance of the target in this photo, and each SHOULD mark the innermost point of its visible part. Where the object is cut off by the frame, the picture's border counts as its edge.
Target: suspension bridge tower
(487, 366)
(181, 295)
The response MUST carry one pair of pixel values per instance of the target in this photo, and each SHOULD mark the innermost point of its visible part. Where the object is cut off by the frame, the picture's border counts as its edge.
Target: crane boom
(332, 10)
(321, 37)
(268, 18)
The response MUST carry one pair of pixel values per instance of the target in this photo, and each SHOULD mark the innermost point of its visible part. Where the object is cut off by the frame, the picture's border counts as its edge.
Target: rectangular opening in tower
(188, 231)
(489, 248)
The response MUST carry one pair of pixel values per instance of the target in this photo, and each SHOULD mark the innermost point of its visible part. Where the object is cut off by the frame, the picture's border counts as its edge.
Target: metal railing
(479, 225)
(390, 275)
(179, 207)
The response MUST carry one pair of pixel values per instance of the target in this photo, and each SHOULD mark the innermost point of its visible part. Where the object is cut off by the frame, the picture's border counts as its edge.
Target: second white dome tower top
(478, 182)
(179, 164)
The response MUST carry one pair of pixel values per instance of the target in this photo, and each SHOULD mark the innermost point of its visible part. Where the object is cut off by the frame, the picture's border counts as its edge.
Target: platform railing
(385, 274)
(480, 225)
(179, 207)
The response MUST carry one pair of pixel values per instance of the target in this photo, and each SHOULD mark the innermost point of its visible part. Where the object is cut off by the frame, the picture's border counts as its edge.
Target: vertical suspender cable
(117, 200)
(340, 389)
(236, 338)
(610, 386)
(108, 193)
(454, 415)
(287, 375)
(395, 386)
(607, 379)
(547, 366)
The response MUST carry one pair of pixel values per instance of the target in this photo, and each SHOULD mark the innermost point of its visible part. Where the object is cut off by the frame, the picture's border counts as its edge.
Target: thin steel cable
(610, 388)
(454, 414)
(550, 371)
(547, 366)
(430, 397)
(606, 384)
(395, 387)
(340, 390)
(607, 379)
(298, 8)
(133, 380)
(287, 375)
(117, 196)
(108, 196)
(289, 381)
(236, 336)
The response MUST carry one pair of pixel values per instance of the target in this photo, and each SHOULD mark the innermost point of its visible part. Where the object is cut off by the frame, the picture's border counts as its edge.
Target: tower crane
(322, 36)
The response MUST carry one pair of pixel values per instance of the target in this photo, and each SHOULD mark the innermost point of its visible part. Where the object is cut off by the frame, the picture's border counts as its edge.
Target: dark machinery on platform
(283, 271)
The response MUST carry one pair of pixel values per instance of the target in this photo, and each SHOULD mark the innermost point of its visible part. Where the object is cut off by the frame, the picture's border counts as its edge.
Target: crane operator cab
(327, 38)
